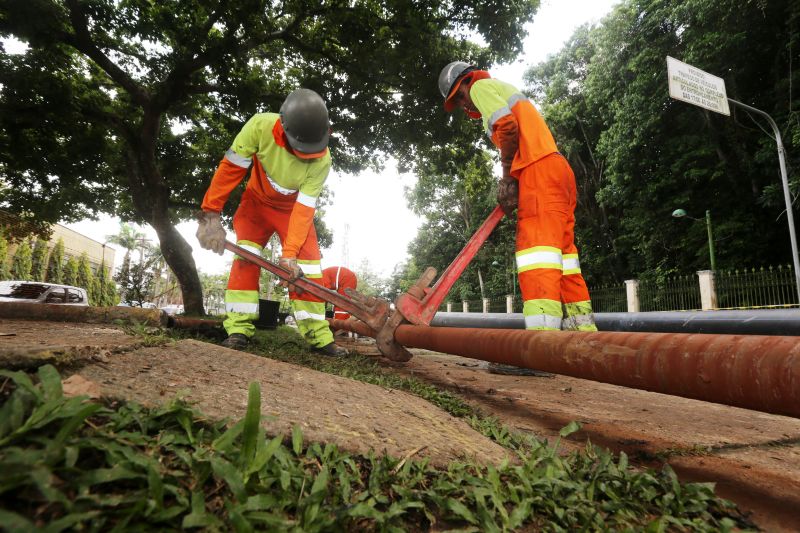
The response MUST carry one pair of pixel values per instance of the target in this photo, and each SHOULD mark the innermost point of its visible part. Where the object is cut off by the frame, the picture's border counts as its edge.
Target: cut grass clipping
(68, 463)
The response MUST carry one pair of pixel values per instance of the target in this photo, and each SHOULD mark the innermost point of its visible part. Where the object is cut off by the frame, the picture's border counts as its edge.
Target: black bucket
(267, 314)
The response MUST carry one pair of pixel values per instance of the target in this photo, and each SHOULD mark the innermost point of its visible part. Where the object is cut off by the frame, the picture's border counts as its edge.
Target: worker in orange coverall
(537, 179)
(288, 155)
(339, 278)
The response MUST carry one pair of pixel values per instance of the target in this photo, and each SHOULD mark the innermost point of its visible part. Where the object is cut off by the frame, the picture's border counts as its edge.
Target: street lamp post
(680, 213)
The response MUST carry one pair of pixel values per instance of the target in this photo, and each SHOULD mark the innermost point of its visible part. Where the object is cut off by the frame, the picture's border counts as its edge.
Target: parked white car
(42, 293)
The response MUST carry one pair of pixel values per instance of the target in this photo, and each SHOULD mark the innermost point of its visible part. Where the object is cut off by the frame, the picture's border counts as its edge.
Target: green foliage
(139, 126)
(39, 260)
(455, 192)
(55, 264)
(638, 154)
(5, 271)
(84, 275)
(22, 261)
(70, 274)
(370, 282)
(110, 293)
(136, 280)
(70, 463)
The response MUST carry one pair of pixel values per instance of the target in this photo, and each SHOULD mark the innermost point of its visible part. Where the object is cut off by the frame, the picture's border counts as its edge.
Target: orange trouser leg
(547, 259)
(253, 226)
(254, 223)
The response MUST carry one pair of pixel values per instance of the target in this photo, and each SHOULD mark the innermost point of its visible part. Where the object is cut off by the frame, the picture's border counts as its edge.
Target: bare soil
(356, 416)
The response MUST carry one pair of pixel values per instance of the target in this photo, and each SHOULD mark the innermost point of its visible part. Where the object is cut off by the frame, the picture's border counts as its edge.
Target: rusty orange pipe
(751, 371)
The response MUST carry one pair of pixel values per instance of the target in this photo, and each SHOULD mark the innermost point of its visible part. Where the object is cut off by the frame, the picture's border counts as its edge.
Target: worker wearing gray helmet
(288, 158)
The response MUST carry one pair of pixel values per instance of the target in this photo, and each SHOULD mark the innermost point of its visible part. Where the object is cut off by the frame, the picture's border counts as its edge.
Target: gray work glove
(508, 195)
(210, 232)
(290, 264)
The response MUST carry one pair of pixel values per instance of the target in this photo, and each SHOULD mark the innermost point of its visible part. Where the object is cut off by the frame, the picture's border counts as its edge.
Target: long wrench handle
(439, 291)
(309, 286)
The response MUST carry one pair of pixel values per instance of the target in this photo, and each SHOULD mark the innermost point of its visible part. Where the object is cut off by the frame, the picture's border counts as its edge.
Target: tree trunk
(480, 282)
(178, 255)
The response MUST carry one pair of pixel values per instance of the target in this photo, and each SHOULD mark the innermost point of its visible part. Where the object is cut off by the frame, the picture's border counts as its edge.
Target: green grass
(68, 463)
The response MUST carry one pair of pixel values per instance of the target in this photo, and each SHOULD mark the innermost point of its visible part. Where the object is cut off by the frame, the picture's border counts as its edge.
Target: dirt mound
(356, 416)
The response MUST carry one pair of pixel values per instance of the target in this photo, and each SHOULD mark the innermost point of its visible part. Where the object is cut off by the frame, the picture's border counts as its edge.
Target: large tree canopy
(126, 107)
(638, 154)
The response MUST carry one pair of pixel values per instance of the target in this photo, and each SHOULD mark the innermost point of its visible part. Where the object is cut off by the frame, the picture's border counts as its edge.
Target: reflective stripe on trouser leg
(578, 317)
(242, 309)
(311, 323)
(241, 298)
(539, 269)
(309, 311)
(578, 314)
(542, 314)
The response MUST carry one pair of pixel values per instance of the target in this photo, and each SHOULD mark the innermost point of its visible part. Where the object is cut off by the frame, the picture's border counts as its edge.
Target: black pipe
(744, 322)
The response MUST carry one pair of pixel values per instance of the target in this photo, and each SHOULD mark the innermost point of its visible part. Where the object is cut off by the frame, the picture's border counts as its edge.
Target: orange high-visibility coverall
(280, 197)
(339, 278)
(554, 291)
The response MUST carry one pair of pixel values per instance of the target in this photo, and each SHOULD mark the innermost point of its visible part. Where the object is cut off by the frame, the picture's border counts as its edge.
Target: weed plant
(73, 464)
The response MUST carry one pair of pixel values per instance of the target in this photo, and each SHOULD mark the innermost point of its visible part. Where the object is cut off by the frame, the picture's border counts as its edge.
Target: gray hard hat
(304, 117)
(450, 75)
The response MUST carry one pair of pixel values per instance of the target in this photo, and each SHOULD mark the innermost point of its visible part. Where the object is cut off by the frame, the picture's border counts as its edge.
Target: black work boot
(236, 341)
(511, 370)
(331, 350)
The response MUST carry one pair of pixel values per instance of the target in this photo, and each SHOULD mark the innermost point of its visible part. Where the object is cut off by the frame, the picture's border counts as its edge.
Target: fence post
(486, 305)
(632, 292)
(465, 306)
(708, 290)
(449, 307)
(509, 303)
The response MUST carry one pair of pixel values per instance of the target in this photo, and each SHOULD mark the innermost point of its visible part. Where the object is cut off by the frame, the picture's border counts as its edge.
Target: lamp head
(678, 213)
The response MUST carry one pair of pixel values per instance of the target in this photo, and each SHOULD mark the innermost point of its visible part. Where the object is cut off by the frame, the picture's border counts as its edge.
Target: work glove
(210, 232)
(508, 195)
(290, 264)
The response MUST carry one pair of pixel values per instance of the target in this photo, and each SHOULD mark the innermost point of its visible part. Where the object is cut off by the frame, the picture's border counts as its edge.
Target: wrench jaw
(389, 347)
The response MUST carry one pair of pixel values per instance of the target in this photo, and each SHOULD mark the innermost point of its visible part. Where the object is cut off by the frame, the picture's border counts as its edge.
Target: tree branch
(84, 43)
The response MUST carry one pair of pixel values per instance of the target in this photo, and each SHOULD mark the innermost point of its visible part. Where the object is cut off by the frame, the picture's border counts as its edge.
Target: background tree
(137, 283)
(55, 263)
(5, 272)
(84, 276)
(638, 154)
(39, 260)
(369, 282)
(143, 127)
(110, 293)
(22, 261)
(70, 275)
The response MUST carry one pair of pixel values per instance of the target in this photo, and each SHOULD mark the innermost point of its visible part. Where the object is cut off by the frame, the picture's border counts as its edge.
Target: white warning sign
(694, 86)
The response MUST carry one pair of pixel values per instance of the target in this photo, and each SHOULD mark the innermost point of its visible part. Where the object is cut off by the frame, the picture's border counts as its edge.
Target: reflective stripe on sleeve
(497, 115)
(238, 160)
(515, 98)
(306, 200)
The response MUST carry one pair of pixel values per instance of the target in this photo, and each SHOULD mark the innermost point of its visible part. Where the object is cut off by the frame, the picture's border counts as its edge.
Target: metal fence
(680, 293)
(735, 289)
(749, 288)
(609, 299)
